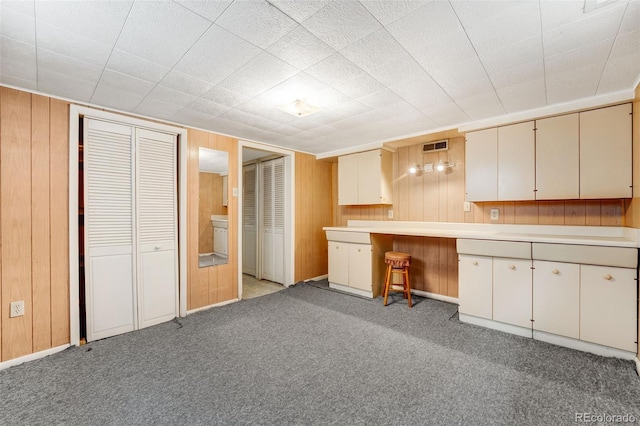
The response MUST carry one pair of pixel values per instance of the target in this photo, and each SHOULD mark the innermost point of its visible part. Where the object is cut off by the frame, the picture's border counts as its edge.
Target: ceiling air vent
(436, 146)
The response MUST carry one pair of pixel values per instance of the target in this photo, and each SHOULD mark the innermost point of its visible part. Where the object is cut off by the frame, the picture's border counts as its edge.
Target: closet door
(157, 232)
(249, 219)
(108, 201)
(273, 220)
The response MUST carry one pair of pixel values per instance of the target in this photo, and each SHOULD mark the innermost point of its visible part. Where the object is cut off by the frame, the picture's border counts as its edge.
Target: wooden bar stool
(397, 263)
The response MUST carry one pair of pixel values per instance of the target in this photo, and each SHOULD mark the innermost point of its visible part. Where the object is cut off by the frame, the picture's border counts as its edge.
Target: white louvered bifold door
(249, 219)
(272, 191)
(156, 227)
(108, 201)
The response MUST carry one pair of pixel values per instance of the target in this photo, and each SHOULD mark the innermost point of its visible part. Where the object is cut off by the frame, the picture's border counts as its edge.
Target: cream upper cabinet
(365, 178)
(516, 162)
(605, 152)
(557, 158)
(481, 165)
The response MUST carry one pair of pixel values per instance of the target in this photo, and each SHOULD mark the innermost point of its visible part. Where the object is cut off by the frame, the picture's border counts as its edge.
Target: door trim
(289, 218)
(75, 114)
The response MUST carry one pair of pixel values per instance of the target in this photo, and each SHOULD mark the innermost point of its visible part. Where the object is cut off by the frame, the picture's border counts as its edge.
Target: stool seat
(397, 263)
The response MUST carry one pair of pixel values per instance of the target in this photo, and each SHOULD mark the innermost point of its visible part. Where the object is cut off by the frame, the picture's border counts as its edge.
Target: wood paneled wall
(210, 203)
(207, 286)
(34, 214)
(313, 211)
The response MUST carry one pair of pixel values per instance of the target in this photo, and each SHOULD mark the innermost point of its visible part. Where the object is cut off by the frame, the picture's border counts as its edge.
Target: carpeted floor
(308, 355)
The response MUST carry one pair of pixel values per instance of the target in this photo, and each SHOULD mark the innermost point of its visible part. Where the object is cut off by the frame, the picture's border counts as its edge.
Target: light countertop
(614, 236)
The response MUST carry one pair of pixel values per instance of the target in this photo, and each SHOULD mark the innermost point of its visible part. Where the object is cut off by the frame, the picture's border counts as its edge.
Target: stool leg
(387, 281)
(407, 287)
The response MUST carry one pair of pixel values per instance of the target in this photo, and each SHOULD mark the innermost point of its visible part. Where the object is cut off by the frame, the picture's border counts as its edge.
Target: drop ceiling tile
(165, 94)
(463, 79)
(621, 69)
(184, 83)
(335, 70)
(584, 32)
(135, 66)
(16, 81)
(379, 99)
(194, 117)
(350, 108)
(156, 108)
(564, 86)
(342, 23)
(508, 76)
(225, 97)
(211, 108)
(582, 56)
(49, 60)
(71, 44)
(423, 93)
(17, 59)
(17, 25)
(448, 114)
(495, 25)
(481, 105)
(64, 85)
(20, 6)
(388, 11)
(433, 36)
(303, 86)
(256, 21)
(631, 19)
(361, 86)
(260, 109)
(513, 56)
(216, 55)
(259, 75)
(120, 91)
(100, 21)
(300, 10)
(210, 10)
(403, 71)
(301, 49)
(554, 14)
(161, 32)
(523, 96)
(250, 120)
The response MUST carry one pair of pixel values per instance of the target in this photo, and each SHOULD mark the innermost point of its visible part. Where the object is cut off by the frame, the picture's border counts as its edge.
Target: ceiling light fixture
(443, 165)
(418, 168)
(299, 108)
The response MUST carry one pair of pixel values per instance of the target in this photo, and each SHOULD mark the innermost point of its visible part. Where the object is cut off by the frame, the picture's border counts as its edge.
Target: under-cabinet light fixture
(299, 108)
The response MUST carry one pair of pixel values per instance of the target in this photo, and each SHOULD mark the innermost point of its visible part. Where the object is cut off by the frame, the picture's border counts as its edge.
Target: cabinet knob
(156, 248)
(512, 267)
(555, 271)
(359, 250)
(607, 277)
(475, 262)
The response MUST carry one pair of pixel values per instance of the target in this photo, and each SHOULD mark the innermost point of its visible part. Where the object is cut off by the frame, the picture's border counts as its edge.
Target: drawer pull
(607, 277)
(555, 271)
(156, 248)
(513, 267)
(359, 250)
(475, 262)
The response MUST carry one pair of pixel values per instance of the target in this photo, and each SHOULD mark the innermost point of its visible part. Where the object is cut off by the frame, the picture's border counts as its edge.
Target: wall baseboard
(318, 278)
(215, 305)
(436, 296)
(637, 366)
(31, 357)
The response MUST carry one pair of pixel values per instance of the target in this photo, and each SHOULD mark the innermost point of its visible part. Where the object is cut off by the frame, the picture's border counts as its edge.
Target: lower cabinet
(608, 306)
(561, 292)
(356, 261)
(512, 291)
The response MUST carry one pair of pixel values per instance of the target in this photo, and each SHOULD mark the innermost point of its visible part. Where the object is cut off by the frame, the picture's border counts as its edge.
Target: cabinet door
(608, 306)
(348, 179)
(369, 177)
(605, 152)
(481, 168)
(512, 291)
(339, 263)
(475, 274)
(360, 268)
(516, 162)
(556, 298)
(557, 158)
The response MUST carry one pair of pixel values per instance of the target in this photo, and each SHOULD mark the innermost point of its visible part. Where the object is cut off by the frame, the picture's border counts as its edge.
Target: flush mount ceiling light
(299, 108)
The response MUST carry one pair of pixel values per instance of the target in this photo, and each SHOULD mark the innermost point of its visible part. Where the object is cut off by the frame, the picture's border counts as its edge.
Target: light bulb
(413, 169)
(440, 167)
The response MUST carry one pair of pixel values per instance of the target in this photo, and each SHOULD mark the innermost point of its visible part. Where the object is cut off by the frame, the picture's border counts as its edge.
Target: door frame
(289, 215)
(76, 112)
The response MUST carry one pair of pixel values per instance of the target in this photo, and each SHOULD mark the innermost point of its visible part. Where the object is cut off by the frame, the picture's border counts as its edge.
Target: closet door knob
(475, 262)
(512, 267)
(555, 271)
(607, 277)
(156, 248)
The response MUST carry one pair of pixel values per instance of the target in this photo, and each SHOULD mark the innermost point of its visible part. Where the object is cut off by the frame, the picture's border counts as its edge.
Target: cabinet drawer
(511, 249)
(349, 237)
(622, 257)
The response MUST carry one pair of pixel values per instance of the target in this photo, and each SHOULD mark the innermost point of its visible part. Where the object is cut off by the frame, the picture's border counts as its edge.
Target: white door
(249, 219)
(157, 227)
(109, 242)
(272, 220)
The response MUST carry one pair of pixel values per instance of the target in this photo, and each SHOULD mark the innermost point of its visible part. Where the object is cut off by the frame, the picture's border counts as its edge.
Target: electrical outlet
(390, 214)
(467, 206)
(235, 191)
(495, 214)
(17, 309)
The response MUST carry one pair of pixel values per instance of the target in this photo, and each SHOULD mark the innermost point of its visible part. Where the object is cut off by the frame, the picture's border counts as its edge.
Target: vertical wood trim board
(208, 286)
